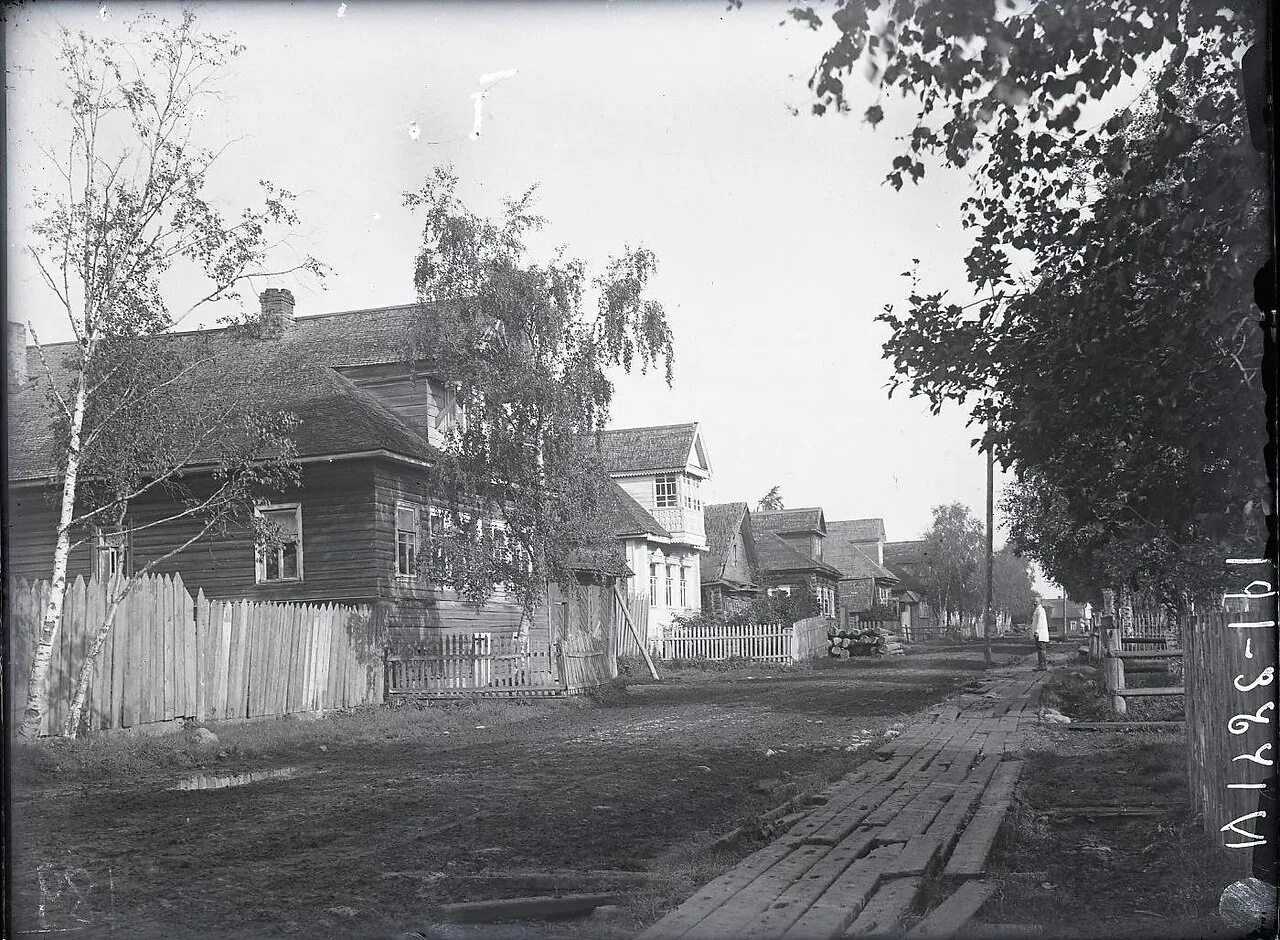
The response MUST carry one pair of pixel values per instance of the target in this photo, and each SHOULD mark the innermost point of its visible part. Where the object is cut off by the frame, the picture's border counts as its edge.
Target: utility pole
(988, 617)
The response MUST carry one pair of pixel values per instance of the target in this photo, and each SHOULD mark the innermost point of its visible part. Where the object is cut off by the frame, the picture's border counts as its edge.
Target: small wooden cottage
(731, 569)
(789, 544)
(856, 547)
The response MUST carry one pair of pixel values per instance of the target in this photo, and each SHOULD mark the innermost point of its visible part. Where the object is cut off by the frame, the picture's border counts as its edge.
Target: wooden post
(1114, 672)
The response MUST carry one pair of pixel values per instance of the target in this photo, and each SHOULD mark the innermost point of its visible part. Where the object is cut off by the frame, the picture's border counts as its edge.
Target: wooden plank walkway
(919, 821)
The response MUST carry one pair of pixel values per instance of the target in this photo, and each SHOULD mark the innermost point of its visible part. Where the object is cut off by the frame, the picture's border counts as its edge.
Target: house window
(437, 527)
(684, 586)
(653, 584)
(735, 553)
(783, 590)
(111, 553)
(279, 553)
(883, 594)
(406, 541)
(670, 582)
(692, 493)
(664, 491)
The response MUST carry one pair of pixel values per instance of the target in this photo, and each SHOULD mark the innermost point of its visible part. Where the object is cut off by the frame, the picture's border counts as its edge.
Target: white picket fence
(765, 642)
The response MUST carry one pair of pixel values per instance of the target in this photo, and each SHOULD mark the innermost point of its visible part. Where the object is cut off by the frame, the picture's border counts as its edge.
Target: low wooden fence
(1231, 724)
(765, 642)
(469, 661)
(169, 656)
(1143, 654)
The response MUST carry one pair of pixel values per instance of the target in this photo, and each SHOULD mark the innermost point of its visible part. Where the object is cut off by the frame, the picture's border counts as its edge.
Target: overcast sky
(658, 124)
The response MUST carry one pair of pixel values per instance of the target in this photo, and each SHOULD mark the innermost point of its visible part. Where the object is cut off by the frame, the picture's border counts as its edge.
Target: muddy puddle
(223, 781)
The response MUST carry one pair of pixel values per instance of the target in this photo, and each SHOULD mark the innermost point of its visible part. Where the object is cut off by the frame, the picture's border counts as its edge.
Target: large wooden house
(370, 417)
(789, 543)
(731, 569)
(662, 469)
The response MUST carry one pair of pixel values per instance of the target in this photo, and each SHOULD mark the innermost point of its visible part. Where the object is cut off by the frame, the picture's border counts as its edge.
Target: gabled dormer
(663, 469)
(802, 529)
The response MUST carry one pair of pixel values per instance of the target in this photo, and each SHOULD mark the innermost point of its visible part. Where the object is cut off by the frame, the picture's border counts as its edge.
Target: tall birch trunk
(72, 725)
(37, 700)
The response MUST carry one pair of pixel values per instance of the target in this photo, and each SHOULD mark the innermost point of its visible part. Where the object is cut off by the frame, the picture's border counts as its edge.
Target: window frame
(101, 548)
(670, 583)
(259, 556)
(416, 532)
(684, 585)
(653, 583)
(663, 499)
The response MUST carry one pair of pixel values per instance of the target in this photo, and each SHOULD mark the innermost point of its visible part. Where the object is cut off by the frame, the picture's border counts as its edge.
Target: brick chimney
(277, 308)
(15, 337)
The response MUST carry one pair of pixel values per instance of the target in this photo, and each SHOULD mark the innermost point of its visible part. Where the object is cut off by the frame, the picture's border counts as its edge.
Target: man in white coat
(1040, 630)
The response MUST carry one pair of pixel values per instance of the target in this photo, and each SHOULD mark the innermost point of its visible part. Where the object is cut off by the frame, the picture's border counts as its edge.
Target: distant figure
(1040, 630)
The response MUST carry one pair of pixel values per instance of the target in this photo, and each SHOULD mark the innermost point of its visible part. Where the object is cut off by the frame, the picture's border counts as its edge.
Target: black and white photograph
(640, 469)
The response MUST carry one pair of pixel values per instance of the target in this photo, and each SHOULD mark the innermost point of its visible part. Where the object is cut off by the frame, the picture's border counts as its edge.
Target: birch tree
(529, 360)
(128, 221)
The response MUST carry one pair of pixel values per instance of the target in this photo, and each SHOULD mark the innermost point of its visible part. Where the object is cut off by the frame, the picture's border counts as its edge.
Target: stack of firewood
(863, 641)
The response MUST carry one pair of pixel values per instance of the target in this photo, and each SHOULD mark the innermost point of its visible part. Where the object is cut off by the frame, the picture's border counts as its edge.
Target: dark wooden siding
(337, 539)
(409, 608)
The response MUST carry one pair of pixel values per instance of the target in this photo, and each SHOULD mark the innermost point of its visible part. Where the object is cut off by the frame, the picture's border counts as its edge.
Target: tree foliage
(528, 348)
(1108, 344)
(771, 500)
(953, 567)
(130, 209)
(1012, 585)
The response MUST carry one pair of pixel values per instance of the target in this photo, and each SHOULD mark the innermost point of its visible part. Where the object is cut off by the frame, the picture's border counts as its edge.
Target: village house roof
(629, 519)
(721, 522)
(647, 450)
(857, 530)
(776, 555)
(295, 372)
(907, 553)
(787, 521)
(853, 562)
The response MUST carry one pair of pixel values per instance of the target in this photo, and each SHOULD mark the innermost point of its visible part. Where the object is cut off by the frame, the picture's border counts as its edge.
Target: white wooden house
(663, 469)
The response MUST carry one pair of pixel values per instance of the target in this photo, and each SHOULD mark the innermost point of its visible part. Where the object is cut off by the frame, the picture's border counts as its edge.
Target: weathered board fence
(169, 656)
(638, 608)
(1231, 734)
(765, 642)
(573, 647)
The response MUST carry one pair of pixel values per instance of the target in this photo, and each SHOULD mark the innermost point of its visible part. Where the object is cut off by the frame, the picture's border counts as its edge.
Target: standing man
(1040, 630)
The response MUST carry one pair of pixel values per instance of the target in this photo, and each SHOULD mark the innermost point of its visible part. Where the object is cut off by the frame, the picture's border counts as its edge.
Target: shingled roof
(853, 561)
(789, 520)
(629, 518)
(777, 555)
(857, 530)
(643, 450)
(721, 521)
(294, 372)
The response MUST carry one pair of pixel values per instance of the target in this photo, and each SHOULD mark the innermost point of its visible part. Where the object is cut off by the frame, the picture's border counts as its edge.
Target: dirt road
(370, 835)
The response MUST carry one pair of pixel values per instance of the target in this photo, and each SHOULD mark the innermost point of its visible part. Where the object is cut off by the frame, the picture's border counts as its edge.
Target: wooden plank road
(919, 821)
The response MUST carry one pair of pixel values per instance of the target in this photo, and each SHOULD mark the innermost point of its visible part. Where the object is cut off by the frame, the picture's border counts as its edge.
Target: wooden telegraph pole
(988, 616)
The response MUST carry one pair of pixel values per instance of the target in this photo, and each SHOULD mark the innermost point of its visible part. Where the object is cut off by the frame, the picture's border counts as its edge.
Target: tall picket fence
(169, 656)
(1225, 723)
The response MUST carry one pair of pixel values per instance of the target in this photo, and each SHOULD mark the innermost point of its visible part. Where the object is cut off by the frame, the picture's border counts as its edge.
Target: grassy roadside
(1150, 876)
